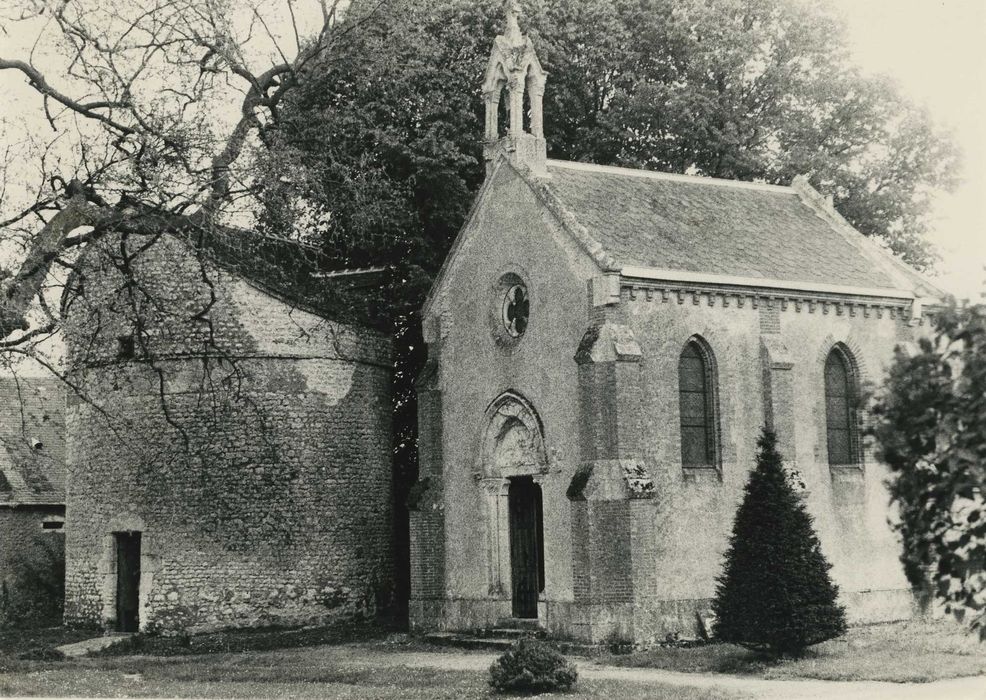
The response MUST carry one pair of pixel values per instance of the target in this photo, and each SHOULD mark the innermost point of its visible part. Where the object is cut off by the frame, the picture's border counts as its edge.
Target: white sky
(936, 50)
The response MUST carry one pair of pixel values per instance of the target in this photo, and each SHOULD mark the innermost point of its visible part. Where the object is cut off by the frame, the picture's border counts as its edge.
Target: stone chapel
(604, 345)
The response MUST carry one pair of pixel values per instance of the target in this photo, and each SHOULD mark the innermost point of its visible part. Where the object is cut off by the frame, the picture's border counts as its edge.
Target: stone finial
(512, 33)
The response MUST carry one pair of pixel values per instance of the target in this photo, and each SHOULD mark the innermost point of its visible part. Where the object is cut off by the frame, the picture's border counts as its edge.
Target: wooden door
(526, 546)
(127, 581)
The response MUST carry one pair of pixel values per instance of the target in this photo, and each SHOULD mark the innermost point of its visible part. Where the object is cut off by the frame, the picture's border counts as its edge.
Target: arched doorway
(526, 545)
(513, 463)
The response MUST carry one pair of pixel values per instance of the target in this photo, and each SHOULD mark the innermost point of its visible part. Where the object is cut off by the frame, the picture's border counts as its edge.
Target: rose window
(516, 309)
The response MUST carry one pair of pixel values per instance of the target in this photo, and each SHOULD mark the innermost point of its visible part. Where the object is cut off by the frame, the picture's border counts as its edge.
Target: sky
(936, 51)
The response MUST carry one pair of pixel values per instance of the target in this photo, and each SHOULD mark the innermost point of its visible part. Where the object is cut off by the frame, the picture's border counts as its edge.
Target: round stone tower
(228, 441)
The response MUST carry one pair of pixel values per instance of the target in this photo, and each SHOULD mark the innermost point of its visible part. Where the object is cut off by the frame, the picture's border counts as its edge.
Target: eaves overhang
(768, 285)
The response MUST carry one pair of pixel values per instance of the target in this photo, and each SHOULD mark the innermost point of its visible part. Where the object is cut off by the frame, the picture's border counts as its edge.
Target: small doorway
(526, 545)
(127, 581)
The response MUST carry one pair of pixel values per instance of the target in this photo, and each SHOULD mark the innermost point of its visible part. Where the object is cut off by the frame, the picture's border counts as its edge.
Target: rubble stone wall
(246, 439)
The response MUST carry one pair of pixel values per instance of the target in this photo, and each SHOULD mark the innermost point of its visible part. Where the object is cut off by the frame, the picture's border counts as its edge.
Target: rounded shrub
(532, 666)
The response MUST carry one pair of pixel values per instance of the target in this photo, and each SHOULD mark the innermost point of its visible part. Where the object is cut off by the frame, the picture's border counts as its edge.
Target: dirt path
(952, 689)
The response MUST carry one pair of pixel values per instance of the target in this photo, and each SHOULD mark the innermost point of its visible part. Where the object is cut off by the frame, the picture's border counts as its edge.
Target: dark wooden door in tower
(127, 581)
(526, 546)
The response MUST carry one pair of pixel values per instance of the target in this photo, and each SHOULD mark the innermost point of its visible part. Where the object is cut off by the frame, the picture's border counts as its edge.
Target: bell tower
(513, 90)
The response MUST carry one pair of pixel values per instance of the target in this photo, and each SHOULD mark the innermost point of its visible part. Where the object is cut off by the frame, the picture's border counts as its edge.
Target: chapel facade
(604, 346)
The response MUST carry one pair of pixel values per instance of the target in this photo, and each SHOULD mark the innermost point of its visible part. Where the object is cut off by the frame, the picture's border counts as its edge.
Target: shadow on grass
(239, 640)
(710, 658)
(912, 651)
(14, 642)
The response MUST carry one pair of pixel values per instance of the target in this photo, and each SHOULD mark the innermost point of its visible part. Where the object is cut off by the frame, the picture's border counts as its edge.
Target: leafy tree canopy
(932, 430)
(380, 152)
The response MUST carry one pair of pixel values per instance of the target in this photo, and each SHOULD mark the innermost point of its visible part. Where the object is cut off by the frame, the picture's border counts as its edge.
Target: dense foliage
(775, 594)
(35, 593)
(932, 430)
(532, 666)
(380, 147)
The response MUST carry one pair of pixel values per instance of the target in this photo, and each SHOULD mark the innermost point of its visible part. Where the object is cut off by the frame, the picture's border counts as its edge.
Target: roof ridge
(541, 189)
(678, 177)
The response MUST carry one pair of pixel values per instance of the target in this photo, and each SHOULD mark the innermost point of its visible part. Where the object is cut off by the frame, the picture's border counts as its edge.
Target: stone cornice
(799, 300)
(764, 286)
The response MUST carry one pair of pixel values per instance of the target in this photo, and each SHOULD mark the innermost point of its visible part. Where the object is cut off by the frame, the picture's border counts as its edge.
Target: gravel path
(953, 689)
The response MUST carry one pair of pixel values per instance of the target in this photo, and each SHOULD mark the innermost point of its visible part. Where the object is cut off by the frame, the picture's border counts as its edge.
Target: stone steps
(501, 637)
(88, 646)
(520, 623)
(461, 640)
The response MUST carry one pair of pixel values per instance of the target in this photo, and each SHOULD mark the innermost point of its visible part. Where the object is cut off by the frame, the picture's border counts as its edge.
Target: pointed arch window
(697, 406)
(840, 408)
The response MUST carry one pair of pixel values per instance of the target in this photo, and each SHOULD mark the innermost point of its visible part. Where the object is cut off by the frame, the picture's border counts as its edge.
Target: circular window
(516, 309)
(509, 311)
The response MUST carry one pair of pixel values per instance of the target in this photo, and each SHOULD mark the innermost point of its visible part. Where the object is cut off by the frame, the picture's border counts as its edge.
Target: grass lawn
(914, 651)
(911, 651)
(298, 673)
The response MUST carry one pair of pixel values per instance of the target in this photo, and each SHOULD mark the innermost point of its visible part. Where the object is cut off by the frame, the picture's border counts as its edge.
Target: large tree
(932, 430)
(141, 116)
(388, 139)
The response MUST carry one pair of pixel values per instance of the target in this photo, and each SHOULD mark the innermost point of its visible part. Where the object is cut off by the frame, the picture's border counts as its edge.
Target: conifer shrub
(775, 594)
(532, 666)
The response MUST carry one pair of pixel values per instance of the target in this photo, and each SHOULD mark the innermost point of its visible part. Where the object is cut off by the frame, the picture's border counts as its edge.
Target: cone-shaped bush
(775, 594)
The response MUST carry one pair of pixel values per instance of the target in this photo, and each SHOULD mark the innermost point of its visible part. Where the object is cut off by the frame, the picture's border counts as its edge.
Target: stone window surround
(713, 471)
(858, 376)
(504, 280)
(58, 519)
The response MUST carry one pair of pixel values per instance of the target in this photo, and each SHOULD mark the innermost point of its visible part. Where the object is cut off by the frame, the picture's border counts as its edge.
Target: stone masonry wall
(692, 512)
(248, 441)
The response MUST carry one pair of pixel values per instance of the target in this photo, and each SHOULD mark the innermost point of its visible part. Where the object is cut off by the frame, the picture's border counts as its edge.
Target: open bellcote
(513, 91)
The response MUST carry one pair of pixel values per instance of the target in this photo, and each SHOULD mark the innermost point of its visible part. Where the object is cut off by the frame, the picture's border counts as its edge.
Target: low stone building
(32, 470)
(228, 436)
(604, 347)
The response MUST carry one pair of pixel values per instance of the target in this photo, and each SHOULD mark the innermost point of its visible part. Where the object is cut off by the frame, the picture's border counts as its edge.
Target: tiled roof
(724, 227)
(32, 440)
(297, 273)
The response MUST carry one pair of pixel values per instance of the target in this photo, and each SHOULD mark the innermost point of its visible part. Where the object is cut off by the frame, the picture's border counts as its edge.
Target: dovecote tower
(513, 90)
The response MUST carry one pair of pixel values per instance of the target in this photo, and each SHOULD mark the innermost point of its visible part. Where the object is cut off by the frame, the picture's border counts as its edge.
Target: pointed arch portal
(513, 461)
